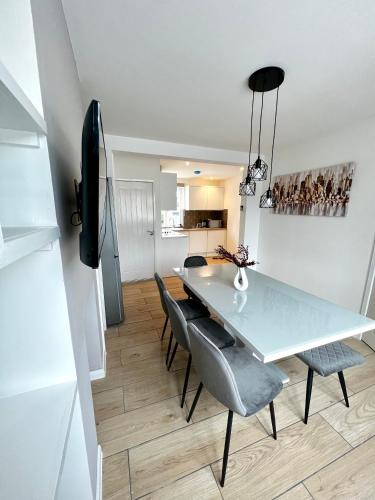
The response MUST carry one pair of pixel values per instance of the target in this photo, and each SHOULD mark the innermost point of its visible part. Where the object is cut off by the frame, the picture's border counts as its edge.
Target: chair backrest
(178, 321)
(162, 288)
(195, 261)
(214, 370)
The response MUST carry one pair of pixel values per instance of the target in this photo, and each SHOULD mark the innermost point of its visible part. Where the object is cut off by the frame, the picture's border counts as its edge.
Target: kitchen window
(175, 218)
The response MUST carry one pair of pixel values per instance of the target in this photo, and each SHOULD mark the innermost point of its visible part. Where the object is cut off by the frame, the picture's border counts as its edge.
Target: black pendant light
(267, 199)
(263, 80)
(258, 171)
(248, 185)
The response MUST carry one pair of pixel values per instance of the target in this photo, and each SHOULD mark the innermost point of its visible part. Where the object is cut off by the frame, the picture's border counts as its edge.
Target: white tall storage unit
(42, 451)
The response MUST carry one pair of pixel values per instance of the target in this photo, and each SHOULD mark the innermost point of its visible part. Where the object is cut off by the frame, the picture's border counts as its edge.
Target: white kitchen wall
(326, 256)
(232, 202)
(63, 113)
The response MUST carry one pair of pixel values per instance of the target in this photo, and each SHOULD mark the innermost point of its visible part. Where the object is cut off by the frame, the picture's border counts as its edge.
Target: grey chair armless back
(162, 288)
(214, 371)
(178, 322)
(195, 261)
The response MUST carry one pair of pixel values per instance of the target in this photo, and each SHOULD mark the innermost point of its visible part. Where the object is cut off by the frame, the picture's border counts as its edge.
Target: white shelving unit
(19, 242)
(17, 111)
(43, 453)
(36, 422)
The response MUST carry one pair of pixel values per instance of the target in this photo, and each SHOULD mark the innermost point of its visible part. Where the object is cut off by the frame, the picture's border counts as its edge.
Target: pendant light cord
(274, 133)
(260, 124)
(251, 127)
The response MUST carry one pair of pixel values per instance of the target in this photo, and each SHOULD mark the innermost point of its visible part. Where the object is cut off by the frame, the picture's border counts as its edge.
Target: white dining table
(273, 319)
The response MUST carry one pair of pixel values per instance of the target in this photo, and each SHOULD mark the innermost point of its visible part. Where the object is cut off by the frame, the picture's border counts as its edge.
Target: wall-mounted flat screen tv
(91, 191)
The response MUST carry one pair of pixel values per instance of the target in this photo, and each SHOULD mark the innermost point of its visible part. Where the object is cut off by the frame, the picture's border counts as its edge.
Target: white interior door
(135, 224)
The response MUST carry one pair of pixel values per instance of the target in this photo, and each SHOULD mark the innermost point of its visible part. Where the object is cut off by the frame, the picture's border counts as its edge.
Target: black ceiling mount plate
(265, 79)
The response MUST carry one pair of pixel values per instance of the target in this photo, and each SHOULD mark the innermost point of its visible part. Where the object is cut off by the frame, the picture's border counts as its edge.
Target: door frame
(122, 179)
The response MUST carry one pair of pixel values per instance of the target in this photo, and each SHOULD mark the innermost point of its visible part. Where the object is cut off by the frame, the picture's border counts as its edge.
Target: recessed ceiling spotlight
(197, 172)
(187, 163)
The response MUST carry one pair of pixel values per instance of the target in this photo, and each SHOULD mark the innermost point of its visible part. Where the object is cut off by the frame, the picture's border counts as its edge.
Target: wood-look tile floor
(151, 452)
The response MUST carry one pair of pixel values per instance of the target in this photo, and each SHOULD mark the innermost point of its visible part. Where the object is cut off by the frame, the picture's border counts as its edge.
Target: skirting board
(99, 474)
(97, 374)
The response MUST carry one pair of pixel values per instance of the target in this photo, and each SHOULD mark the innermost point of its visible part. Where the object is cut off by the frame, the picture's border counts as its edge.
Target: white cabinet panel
(168, 191)
(214, 239)
(215, 197)
(173, 254)
(197, 198)
(205, 197)
(198, 242)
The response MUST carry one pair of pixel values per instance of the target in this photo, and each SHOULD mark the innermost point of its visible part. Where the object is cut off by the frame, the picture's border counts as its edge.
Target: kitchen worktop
(172, 234)
(198, 228)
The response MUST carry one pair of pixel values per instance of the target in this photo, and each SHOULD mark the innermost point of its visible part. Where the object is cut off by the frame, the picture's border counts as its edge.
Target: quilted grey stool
(325, 360)
(235, 378)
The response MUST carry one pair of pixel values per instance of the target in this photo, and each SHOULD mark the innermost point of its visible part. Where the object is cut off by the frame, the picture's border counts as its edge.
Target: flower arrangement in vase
(241, 260)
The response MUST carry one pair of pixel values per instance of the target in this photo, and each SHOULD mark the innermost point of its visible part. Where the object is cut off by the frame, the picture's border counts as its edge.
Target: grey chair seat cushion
(331, 358)
(214, 332)
(192, 309)
(258, 383)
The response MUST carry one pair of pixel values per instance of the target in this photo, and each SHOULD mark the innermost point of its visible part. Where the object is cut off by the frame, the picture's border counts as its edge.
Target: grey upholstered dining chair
(193, 261)
(235, 378)
(218, 336)
(326, 360)
(191, 309)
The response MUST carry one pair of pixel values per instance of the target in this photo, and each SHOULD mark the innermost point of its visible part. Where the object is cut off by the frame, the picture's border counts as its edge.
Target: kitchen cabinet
(204, 197)
(168, 191)
(197, 242)
(204, 241)
(215, 197)
(197, 198)
(214, 239)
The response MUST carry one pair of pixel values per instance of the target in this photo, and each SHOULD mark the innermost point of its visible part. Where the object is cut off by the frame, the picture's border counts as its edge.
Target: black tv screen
(93, 187)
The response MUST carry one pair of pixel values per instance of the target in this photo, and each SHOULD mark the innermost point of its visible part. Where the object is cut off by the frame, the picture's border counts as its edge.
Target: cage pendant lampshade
(258, 172)
(267, 200)
(247, 186)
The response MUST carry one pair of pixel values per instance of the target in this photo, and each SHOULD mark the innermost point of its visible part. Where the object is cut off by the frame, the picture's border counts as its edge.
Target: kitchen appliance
(215, 223)
(114, 305)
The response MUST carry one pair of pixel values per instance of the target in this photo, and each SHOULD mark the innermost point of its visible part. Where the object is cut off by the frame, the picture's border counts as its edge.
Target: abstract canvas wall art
(322, 191)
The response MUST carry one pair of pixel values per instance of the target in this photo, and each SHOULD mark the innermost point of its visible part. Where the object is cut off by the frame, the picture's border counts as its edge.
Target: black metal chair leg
(173, 355)
(226, 447)
(273, 420)
(164, 328)
(309, 384)
(343, 387)
(169, 348)
(197, 394)
(186, 381)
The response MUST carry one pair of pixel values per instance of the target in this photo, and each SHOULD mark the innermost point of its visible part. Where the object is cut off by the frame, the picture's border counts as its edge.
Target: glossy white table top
(272, 318)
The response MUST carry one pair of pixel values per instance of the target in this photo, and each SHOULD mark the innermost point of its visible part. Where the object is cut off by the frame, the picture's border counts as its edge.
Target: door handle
(151, 233)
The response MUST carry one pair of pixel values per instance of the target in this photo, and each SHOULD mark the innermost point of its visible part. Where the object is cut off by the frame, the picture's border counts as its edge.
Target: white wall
(63, 114)
(232, 202)
(326, 256)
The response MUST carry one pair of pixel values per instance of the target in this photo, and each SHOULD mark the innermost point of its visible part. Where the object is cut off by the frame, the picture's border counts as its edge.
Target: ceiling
(211, 171)
(177, 71)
